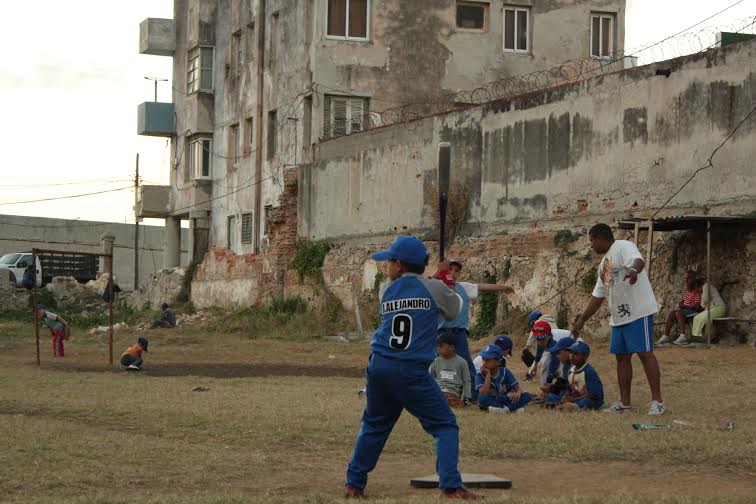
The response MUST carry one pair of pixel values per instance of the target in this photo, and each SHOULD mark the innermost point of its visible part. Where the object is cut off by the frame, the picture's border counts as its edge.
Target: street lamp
(156, 80)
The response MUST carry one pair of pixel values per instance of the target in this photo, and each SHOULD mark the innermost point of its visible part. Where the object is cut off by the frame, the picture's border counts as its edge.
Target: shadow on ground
(216, 370)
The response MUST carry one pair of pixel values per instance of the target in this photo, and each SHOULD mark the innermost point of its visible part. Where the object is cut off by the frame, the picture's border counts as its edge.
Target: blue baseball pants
(393, 386)
(486, 400)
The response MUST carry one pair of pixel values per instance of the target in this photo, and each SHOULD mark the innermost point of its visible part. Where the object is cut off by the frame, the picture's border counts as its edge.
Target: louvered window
(344, 115)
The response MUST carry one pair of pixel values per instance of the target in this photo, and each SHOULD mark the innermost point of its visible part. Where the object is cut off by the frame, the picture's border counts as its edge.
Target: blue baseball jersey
(460, 321)
(586, 378)
(410, 307)
(557, 369)
(503, 382)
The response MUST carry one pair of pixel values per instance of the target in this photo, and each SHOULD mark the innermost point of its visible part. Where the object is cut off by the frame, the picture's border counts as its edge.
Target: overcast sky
(71, 78)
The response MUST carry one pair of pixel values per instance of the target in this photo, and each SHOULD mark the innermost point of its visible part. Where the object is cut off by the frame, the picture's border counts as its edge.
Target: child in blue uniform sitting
(558, 373)
(397, 375)
(498, 389)
(586, 391)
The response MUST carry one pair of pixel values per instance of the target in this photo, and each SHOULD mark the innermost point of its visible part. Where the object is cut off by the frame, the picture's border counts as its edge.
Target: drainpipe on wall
(259, 132)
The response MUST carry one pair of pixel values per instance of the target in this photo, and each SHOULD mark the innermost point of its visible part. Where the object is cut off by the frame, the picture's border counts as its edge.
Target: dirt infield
(215, 370)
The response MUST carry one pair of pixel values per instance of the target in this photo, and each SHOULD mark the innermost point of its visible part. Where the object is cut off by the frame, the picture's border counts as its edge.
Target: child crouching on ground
(131, 358)
(451, 372)
(586, 391)
(498, 390)
(556, 386)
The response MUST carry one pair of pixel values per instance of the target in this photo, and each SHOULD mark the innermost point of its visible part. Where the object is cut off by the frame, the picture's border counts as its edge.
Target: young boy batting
(397, 375)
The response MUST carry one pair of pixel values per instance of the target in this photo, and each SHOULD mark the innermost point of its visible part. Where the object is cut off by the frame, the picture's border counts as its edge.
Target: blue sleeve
(479, 381)
(594, 385)
(539, 352)
(509, 380)
(553, 366)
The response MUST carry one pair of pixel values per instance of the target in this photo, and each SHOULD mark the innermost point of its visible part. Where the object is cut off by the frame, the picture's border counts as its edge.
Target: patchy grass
(123, 437)
(286, 318)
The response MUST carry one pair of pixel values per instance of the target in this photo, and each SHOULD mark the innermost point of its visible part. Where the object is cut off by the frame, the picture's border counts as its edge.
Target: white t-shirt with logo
(627, 303)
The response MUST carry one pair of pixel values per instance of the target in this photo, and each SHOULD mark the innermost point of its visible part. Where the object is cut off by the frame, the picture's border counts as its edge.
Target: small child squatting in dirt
(131, 358)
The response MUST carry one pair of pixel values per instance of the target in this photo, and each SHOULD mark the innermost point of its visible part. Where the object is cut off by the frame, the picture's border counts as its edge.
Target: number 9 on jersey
(401, 332)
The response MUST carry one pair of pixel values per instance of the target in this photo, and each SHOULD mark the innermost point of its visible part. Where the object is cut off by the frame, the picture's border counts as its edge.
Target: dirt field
(279, 421)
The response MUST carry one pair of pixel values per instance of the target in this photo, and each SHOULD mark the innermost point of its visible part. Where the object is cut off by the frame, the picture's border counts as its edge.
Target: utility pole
(136, 224)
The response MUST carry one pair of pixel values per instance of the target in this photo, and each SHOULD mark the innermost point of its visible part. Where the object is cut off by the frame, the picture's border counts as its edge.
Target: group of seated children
(568, 382)
(571, 383)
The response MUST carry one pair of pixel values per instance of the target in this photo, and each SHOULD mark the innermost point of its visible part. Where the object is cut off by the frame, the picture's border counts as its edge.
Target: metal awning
(682, 222)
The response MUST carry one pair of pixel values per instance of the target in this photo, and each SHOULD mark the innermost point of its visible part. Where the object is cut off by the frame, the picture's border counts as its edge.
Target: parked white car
(15, 264)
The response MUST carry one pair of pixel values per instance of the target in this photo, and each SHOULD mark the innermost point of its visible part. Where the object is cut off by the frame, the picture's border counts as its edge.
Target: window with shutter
(344, 115)
(339, 116)
(356, 114)
(246, 230)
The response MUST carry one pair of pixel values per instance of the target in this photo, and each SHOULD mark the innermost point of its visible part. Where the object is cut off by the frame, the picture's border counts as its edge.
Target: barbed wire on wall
(576, 70)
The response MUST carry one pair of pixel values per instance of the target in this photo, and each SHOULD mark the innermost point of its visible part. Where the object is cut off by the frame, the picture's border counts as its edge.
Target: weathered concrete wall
(21, 234)
(227, 279)
(539, 269)
(619, 144)
(406, 40)
(416, 51)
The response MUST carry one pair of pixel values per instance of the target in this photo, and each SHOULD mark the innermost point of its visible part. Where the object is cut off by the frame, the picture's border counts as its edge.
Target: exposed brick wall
(225, 278)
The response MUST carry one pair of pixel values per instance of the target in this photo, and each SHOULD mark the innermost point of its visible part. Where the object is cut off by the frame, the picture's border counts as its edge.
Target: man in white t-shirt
(622, 278)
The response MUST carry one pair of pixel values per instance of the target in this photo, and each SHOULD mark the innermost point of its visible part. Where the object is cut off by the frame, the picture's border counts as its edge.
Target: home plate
(470, 480)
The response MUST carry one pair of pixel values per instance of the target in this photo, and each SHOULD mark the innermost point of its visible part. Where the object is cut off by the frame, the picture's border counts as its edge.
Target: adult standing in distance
(622, 278)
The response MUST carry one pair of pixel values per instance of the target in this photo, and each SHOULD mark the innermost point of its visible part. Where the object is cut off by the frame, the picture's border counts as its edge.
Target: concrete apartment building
(260, 84)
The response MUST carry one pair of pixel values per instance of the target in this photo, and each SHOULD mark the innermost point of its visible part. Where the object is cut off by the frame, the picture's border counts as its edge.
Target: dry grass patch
(122, 437)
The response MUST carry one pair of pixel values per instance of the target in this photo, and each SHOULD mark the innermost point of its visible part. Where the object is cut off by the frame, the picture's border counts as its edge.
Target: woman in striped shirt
(688, 308)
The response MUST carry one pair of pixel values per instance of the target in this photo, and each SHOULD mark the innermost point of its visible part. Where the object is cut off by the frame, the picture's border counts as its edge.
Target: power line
(82, 182)
(687, 29)
(709, 162)
(65, 197)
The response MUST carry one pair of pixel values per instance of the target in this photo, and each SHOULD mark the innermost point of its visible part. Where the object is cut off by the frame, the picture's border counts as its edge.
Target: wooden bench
(723, 321)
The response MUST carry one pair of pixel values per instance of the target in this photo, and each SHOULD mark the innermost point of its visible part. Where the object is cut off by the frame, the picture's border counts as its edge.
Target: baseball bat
(444, 173)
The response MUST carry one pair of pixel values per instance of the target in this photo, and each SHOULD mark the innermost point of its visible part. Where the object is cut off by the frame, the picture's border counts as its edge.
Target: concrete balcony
(156, 119)
(153, 201)
(157, 37)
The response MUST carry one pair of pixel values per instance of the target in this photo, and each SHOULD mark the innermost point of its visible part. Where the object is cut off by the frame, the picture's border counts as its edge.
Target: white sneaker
(501, 411)
(133, 367)
(656, 408)
(521, 410)
(663, 340)
(617, 407)
(682, 340)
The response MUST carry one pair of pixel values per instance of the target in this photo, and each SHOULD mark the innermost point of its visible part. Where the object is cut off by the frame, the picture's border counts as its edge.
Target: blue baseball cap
(407, 249)
(505, 343)
(534, 315)
(40, 306)
(580, 347)
(492, 352)
(445, 338)
(562, 344)
(143, 341)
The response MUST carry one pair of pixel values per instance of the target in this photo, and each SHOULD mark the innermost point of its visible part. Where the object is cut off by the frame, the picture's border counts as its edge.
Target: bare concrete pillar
(172, 249)
(107, 239)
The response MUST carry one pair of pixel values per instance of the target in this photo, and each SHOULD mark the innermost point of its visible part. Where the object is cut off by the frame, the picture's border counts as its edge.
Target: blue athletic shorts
(635, 337)
(689, 312)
